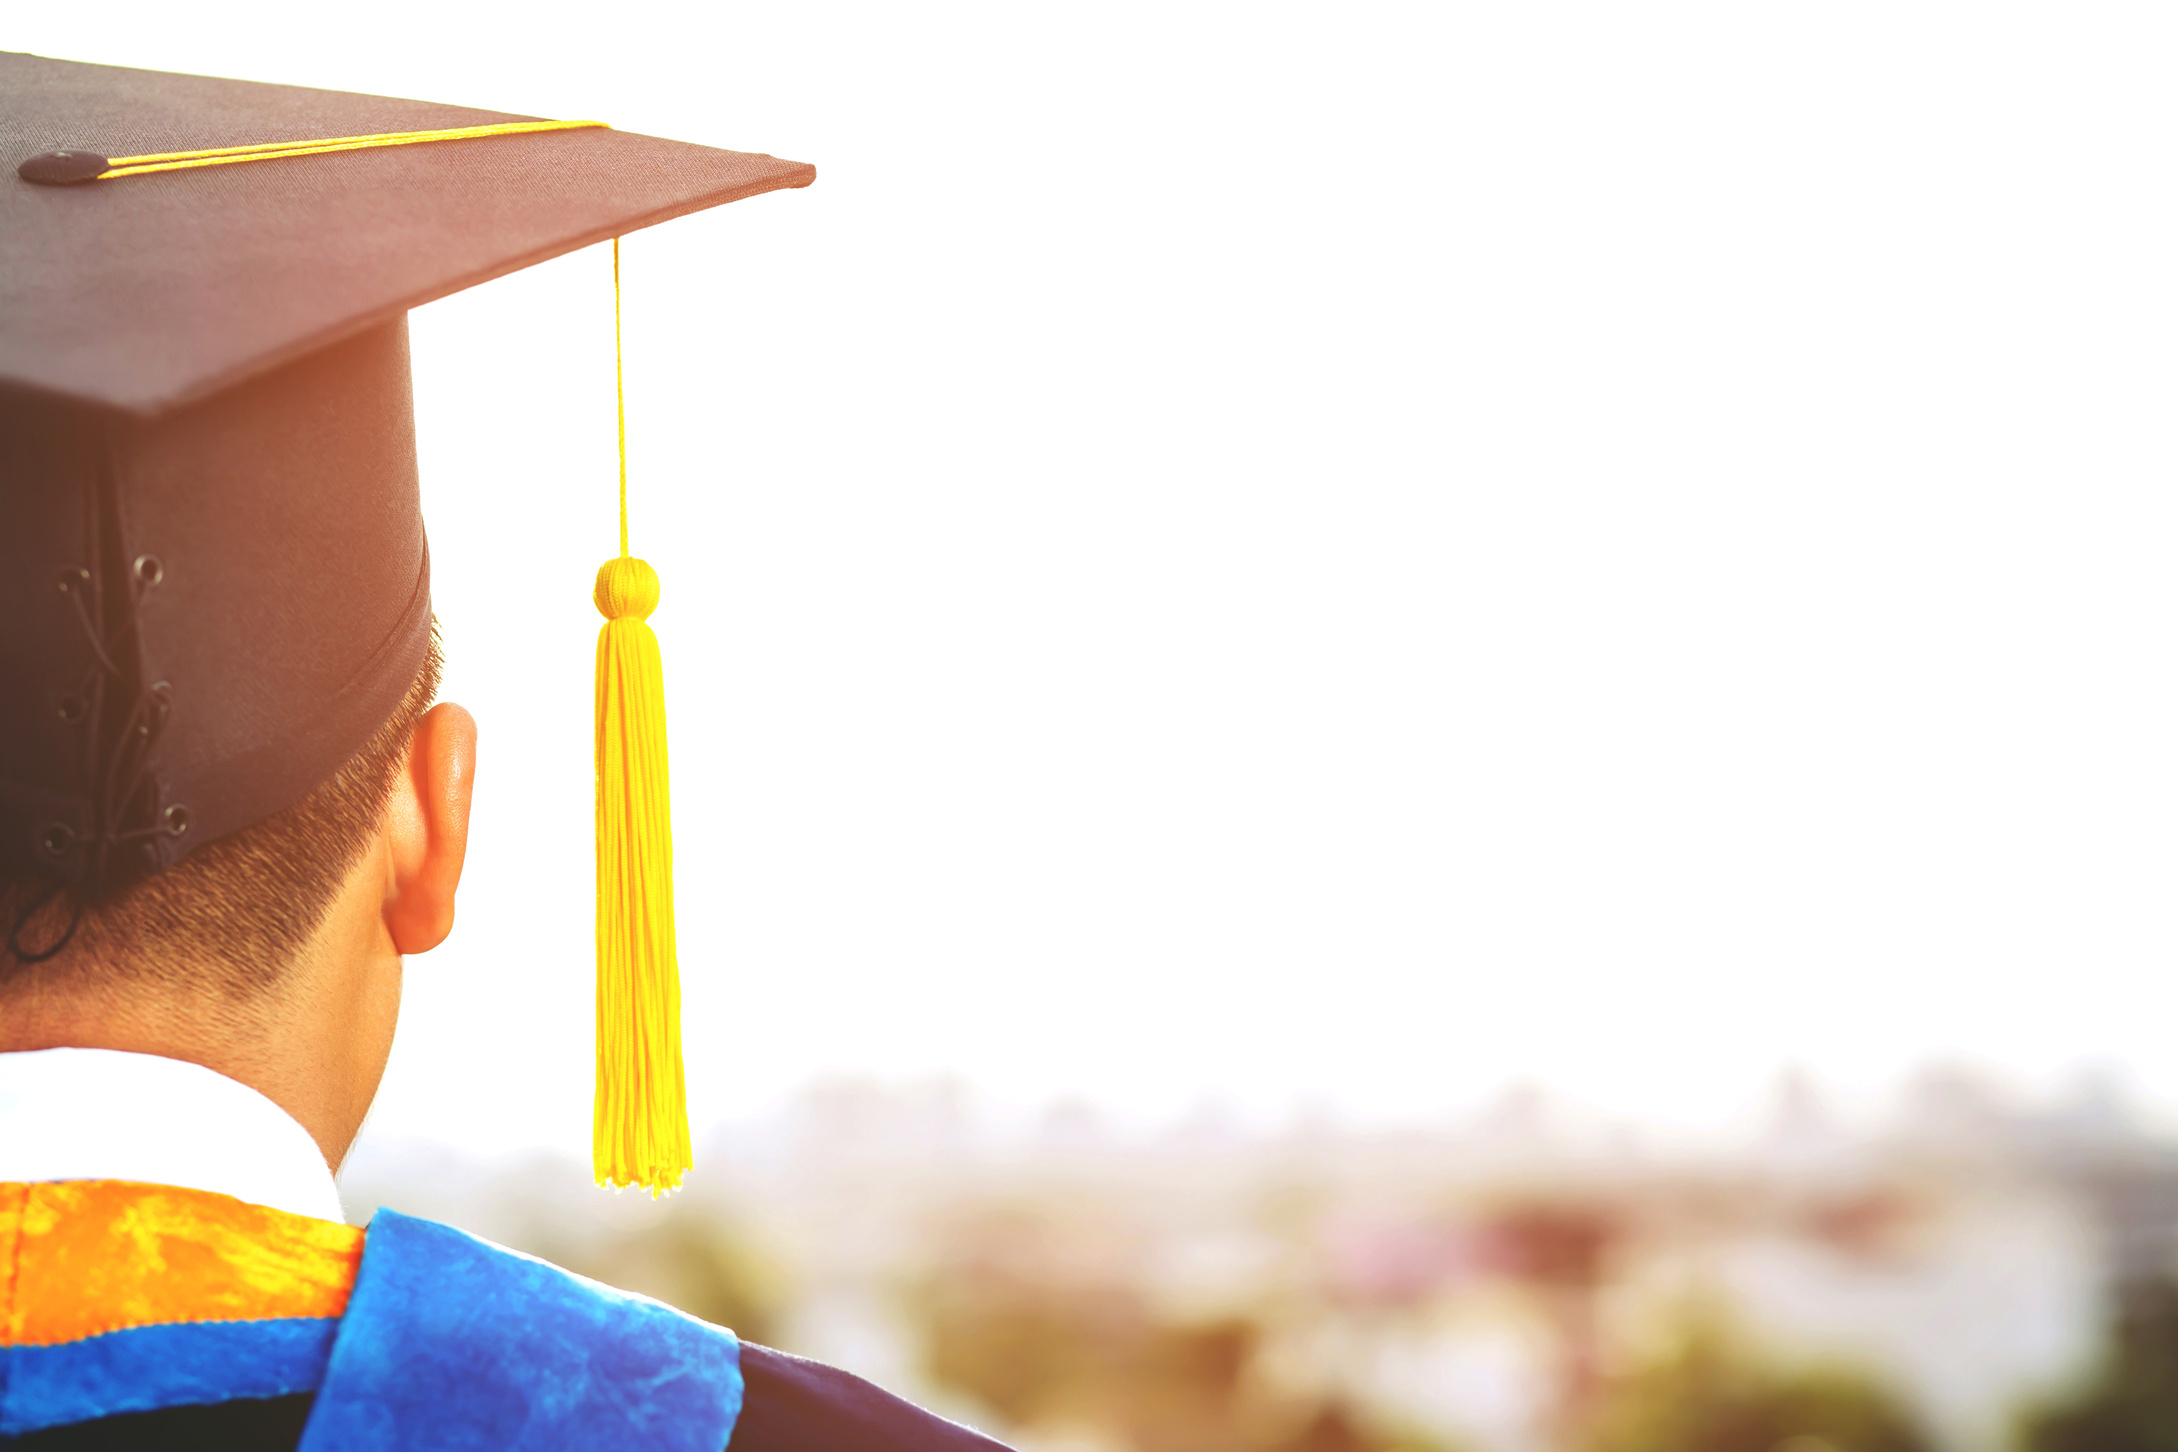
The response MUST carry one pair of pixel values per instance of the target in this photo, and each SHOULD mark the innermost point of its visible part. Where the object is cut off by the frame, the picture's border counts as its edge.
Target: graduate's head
(223, 802)
(224, 814)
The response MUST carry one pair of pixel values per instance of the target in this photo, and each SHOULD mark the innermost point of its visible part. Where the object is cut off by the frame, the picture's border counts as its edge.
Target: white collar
(99, 1114)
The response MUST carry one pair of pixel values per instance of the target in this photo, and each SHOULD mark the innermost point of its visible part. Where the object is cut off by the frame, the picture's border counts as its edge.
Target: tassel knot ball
(626, 589)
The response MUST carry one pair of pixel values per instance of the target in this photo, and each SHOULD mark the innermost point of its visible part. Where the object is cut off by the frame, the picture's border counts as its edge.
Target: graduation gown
(151, 1315)
(156, 1316)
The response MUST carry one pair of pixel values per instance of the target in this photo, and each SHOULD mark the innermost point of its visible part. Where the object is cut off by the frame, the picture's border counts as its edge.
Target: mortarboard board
(214, 580)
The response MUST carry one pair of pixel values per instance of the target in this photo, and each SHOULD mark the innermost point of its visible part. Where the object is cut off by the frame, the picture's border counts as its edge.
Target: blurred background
(1396, 726)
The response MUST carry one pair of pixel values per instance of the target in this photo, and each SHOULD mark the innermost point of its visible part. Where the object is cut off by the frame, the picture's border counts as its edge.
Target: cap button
(63, 168)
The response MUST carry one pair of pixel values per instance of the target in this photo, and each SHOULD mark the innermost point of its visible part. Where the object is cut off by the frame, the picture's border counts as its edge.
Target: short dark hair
(235, 913)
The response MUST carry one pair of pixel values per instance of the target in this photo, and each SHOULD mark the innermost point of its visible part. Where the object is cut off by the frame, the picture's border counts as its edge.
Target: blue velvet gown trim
(453, 1344)
(151, 1368)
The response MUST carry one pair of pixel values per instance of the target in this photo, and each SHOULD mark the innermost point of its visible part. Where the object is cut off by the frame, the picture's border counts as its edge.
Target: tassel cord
(620, 403)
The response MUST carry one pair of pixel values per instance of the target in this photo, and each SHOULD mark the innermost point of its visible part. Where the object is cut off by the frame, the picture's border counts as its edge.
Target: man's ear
(427, 828)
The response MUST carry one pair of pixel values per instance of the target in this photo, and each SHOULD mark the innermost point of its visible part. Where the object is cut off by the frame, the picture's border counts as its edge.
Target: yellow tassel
(641, 1131)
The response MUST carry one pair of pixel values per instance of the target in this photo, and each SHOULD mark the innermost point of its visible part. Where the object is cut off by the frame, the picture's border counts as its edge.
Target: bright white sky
(1360, 551)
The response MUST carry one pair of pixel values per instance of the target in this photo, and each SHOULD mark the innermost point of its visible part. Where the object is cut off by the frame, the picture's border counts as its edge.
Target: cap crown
(146, 292)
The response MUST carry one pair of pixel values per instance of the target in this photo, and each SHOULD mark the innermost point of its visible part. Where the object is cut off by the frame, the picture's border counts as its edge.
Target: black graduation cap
(214, 583)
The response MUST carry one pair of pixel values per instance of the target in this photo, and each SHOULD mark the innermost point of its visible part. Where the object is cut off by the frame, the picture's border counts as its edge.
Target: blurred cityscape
(1963, 1273)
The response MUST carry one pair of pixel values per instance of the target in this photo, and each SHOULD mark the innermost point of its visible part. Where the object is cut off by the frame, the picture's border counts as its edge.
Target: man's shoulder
(146, 1315)
(446, 1328)
(129, 1299)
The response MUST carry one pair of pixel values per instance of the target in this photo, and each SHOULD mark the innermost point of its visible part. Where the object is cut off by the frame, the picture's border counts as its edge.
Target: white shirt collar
(99, 1114)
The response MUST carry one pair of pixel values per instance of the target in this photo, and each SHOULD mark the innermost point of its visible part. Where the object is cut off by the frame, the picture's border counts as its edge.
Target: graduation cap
(214, 580)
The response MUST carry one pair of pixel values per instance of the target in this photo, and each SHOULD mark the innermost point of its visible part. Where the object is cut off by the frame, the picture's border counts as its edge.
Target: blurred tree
(1561, 1250)
(1011, 1319)
(1704, 1397)
(1552, 1243)
(2132, 1405)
